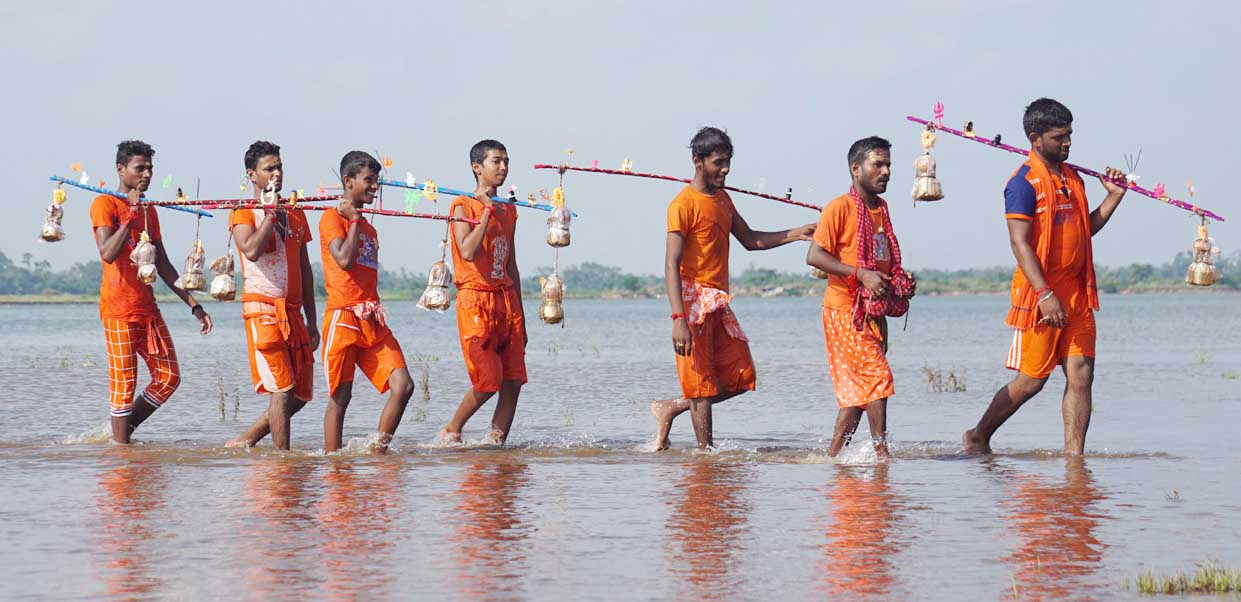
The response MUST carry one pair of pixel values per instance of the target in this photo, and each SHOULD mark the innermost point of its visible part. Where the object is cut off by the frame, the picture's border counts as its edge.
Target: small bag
(192, 279)
(552, 309)
(435, 297)
(143, 256)
(223, 286)
(52, 230)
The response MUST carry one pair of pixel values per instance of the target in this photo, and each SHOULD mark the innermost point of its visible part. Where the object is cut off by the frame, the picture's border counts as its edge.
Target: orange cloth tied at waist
(368, 310)
(703, 300)
(294, 332)
(155, 343)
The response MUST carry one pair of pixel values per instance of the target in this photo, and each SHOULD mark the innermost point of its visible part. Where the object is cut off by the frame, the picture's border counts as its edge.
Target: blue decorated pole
(120, 195)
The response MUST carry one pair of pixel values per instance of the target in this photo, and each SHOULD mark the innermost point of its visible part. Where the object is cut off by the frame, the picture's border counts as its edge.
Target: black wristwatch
(196, 306)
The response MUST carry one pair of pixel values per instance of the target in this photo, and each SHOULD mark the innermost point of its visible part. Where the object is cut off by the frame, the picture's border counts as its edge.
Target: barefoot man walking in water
(712, 353)
(1054, 296)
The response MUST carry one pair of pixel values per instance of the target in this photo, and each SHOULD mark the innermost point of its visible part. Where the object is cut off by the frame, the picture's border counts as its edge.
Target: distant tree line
(30, 277)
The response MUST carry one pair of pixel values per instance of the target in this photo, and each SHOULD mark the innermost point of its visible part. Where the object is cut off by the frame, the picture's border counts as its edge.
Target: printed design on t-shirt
(1064, 213)
(368, 252)
(499, 257)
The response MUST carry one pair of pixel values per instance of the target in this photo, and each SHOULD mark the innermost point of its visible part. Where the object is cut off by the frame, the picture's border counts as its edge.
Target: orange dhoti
(1037, 351)
(859, 366)
(492, 328)
(718, 363)
(350, 341)
(126, 342)
(280, 355)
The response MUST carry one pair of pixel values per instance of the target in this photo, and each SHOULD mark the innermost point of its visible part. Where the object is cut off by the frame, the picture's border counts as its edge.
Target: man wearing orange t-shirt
(490, 317)
(355, 325)
(132, 323)
(278, 286)
(712, 353)
(1054, 296)
(857, 351)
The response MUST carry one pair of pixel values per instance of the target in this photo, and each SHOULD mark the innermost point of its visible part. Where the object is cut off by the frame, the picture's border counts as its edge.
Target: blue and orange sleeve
(1020, 202)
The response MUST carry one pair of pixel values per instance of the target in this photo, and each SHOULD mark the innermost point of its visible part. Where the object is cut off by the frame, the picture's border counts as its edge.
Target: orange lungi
(859, 366)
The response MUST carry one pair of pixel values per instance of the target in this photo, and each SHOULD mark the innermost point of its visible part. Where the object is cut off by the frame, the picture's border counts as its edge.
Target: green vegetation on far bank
(30, 281)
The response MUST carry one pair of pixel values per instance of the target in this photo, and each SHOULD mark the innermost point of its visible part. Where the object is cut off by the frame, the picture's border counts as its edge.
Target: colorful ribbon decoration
(120, 195)
(256, 205)
(454, 192)
(1083, 170)
(620, 172)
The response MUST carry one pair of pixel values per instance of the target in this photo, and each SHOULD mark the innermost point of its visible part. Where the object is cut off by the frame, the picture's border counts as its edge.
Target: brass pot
(1201, 274)
(551, 312)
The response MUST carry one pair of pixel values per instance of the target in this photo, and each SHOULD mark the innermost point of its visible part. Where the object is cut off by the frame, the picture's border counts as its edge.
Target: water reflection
(358, 517)
(130, 502)
(1055, 521)
(492, 531)
(858, 555)
(278, 538)
(708, 522)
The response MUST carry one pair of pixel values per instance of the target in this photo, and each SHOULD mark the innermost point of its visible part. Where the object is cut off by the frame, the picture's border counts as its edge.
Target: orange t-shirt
(121, 295)
(360, 284)
(1066, 257)
(488, 271)
(278, 272)
(837, 234)
(706, 222)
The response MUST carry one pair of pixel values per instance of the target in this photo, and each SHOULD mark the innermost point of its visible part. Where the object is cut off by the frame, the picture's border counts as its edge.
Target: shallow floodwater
(579, 507)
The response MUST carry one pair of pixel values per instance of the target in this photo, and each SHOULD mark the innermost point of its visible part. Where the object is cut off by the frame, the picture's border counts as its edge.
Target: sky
(794, 84)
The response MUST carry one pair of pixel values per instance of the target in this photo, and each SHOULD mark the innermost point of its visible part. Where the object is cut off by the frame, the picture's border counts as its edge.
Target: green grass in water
(1208, 579)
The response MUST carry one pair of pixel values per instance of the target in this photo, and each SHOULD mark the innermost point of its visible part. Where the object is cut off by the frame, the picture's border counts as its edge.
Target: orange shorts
(492, 331)
(350, 342)
(859, 366)
(127, 341)
(273, 364)
(718, 362)
(1037, 351)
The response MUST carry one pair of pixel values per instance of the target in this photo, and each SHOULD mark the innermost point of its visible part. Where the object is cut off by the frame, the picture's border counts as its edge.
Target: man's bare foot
(881, 451)
(447, 438)
(237, 443)
(662, 410)
(495, 437)
(380, 443)
(973, 443)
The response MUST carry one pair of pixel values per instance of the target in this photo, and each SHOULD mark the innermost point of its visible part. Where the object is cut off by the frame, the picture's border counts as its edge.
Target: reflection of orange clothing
(491, 532)
(360, 283)
(1036, 352)
(837, 234)
(492, 330)
(860, 371)
(1058, 551)
(126, 342)
(706, 222)
(859, 551)
(1057, 208)
(279, 345)
(706, 524)
(121, 295)
(350, 341)
(489, 269)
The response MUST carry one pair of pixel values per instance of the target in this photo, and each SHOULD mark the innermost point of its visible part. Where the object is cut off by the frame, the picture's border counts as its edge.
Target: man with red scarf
(857, 341)
(1054, 295)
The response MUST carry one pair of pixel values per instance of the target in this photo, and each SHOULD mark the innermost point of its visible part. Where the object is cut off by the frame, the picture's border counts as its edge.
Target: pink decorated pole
(619, 172)
(1083, 170)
